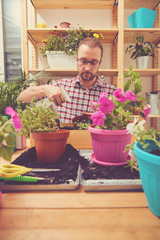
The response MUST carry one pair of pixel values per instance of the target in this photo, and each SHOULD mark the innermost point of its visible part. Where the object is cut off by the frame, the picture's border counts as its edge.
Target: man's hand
(54, 93)
(38, 92)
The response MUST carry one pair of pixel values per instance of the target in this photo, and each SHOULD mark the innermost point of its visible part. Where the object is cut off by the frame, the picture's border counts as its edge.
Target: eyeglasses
(84, 62)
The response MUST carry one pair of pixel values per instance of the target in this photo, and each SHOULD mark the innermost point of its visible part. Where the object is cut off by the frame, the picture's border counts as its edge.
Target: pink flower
(16, 120)
(98, 118)
(130, 96)
(10, 111)
(119, 96)
(146, 111)
(105, 104)
(93, 104)
(103, 94)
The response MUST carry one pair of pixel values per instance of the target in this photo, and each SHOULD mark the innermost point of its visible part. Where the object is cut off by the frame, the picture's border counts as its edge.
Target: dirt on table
(68, 165)
(93, 170)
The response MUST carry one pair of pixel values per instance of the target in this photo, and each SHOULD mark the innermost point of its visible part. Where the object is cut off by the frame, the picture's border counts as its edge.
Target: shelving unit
(36, 35)
(118, 35)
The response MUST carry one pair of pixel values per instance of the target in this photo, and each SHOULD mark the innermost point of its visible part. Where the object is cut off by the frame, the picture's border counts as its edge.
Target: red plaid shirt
(80, 97)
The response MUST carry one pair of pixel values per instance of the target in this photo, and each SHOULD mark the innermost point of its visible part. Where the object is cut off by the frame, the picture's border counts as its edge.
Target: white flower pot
(142, 62)
(59, 60)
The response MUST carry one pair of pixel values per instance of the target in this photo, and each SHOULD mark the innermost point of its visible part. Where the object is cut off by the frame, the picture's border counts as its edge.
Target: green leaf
(127, 85)
(10, 140)
(129, 146)
(6, 152)
(138, 86)
(1, 138)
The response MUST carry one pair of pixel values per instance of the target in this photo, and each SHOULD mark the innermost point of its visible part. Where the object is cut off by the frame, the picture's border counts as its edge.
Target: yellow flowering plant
(75, 36)
(67, 41)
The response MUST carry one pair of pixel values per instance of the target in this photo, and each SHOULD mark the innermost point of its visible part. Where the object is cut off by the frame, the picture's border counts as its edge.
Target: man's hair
(92, 43)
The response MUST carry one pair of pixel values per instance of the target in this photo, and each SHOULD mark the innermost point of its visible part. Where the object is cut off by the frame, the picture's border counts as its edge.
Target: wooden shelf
(153, 116)
(73, 72)
(39, 34)
(70, 4)
(146, 72)
(150, 34)
(135, 4)
(91, 4)
(105, 72)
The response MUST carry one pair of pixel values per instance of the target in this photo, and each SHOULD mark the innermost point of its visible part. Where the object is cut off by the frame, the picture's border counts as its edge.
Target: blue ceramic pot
(149, 169)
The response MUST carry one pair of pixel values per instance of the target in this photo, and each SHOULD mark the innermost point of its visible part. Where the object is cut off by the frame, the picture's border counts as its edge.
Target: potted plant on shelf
(147, 150)
(140, 50)
(108, 132)
(43, 123)
(62, 46)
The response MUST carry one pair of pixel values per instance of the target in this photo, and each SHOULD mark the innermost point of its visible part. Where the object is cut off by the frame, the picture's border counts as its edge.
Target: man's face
(88, 62)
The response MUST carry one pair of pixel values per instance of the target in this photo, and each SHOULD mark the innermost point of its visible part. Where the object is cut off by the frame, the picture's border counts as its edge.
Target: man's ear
(76, 58)
(100, 62)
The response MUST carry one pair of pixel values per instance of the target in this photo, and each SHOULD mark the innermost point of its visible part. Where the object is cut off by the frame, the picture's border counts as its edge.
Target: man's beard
(87, 76)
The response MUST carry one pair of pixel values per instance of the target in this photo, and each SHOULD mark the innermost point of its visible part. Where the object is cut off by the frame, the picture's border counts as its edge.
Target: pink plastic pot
(108, 146)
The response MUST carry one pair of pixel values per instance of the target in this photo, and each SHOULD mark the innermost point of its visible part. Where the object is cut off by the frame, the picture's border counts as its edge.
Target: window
(11, 12)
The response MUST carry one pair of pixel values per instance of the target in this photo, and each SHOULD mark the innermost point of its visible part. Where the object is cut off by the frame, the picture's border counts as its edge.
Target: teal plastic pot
(149, 169)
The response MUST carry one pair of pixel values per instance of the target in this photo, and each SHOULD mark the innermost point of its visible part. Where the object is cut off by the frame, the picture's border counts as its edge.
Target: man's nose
(88, 65)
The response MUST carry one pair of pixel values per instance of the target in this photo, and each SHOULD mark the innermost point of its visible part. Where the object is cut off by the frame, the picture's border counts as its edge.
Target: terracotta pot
(50, 146)
(65, 24)
(108, 146)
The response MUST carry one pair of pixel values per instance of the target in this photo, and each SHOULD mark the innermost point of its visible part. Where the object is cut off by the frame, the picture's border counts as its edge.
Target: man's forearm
(33, 91)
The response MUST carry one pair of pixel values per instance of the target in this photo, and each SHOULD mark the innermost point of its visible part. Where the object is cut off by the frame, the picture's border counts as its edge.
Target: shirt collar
(78, 84)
